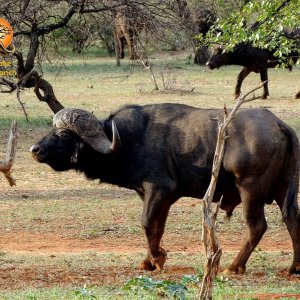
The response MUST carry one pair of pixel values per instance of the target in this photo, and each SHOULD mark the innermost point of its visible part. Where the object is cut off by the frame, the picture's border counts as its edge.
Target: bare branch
(9, 84)
(63, 22)
(212, 248)
(22, 104)
(32, 79)
(104, 8)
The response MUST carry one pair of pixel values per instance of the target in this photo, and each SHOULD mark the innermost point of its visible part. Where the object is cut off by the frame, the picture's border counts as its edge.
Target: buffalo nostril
(34, 149)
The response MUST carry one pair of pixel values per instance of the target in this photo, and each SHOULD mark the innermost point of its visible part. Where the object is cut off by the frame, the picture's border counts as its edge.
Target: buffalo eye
(63, 134)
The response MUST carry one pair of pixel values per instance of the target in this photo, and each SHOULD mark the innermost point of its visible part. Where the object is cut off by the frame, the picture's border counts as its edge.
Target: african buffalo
(252, 59)
(165, 152)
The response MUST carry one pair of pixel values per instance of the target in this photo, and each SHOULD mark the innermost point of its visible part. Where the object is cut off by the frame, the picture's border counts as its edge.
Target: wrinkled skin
(167, 152)
(252, 59)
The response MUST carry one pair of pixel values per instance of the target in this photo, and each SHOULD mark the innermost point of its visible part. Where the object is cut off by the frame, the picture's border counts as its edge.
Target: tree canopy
(270, 24)
(42, 27)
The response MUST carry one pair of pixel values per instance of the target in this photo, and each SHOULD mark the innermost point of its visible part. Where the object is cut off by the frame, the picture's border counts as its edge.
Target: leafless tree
(34, 23)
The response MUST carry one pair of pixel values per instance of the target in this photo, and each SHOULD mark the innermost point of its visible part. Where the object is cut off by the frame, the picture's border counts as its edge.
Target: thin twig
(22, 104)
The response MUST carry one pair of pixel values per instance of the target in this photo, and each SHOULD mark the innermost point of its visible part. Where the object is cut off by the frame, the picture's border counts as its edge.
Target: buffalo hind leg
(293, 226)
(256, 226)
(155, 212)
(242, 75)
(292, 221)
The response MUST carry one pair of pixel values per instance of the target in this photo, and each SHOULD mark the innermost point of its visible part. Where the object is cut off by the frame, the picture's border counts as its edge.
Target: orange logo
(6, 35)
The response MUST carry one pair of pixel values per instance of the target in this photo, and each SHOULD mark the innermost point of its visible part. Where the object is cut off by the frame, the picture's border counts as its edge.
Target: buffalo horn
(88, 127)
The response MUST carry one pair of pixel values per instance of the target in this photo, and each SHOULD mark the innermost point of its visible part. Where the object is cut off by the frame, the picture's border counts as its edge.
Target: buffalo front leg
(264, 77)
(242, 75)
(131, 42)
(155, 212)
(256, 226)
(122, 46)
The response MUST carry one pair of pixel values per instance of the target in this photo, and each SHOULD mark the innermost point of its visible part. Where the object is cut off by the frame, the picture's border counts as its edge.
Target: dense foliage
(271, 24)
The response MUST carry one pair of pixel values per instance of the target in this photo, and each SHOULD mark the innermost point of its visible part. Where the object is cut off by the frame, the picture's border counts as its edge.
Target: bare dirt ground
(54, 245)
(50, 243)
(45, 255)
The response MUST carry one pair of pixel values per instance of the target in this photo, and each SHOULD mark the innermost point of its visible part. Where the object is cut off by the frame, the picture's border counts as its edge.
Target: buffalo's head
(73, 130)
(217, 59)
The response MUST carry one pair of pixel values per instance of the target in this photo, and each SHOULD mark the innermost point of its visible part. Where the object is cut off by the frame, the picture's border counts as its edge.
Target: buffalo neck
(110, 168)
(233, 58)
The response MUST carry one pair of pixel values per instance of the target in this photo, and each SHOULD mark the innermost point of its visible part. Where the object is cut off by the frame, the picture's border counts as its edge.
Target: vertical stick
(147, 65)
(212, 248)
(6, 164)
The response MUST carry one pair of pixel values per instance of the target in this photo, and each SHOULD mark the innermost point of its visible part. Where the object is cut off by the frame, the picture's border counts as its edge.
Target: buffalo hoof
(295, 269)
(147, 265)
(236, 95)
(232, 271)
(297, 96)
(134, 56)
(264, 97)
(157, 263)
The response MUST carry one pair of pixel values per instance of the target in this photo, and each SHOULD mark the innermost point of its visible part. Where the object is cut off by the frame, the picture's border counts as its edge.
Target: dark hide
(252, 59)
(203, 19)
(167, 152)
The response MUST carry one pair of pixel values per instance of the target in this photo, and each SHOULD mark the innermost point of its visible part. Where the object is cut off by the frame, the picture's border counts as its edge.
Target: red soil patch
(23, 241)
(272, 296)
(16, 271)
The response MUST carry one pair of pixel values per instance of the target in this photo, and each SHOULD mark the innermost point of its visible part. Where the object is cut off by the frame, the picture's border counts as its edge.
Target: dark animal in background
(126, 33)
(252, 59)
(194, 22)
(165, 152)
(203, 20)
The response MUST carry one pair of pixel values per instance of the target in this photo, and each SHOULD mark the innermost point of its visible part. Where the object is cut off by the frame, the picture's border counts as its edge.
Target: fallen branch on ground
(6, 164)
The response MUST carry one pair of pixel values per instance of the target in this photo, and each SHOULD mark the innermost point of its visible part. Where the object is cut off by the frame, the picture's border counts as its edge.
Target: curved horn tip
(116, 141)
(87, 126)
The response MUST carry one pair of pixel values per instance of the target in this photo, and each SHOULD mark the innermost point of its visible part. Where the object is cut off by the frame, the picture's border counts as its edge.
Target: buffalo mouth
(210, 66)
(37, 154)
(42, 156)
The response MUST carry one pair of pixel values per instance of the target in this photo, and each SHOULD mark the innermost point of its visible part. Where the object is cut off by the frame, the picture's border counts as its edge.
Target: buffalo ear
(78, 147)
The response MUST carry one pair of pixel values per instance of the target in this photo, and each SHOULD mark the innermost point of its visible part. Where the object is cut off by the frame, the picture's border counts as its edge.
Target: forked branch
(6, 164)
(32, 79)
(212, 248)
